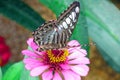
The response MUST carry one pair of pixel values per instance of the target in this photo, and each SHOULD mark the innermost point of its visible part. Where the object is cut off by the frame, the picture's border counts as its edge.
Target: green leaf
(25, 75)
(104, 28)
(20, 12)
(0, 74)
(80, 33)
(4, 68)
(14, 72)
(18, 72)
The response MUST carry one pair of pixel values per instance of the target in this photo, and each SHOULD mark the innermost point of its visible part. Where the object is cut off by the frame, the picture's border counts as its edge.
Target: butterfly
(55, 34)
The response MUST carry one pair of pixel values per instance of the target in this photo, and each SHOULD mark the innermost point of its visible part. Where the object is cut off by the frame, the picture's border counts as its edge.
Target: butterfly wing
(67, 21)
(44, 36)
(55, 34)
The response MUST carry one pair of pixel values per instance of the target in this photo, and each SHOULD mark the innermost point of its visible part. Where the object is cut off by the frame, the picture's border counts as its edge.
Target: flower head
(57, 64)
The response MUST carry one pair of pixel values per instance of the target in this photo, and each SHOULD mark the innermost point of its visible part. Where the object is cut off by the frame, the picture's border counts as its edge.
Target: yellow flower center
(57, 56)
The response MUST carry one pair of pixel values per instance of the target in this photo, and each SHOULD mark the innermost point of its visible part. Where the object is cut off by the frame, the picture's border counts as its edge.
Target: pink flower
(67, 63)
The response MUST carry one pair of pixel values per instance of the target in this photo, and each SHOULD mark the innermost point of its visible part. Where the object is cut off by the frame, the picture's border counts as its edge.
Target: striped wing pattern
(56, 33)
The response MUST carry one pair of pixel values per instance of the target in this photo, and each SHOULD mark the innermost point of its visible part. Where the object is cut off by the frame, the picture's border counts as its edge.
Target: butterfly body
(56, 33)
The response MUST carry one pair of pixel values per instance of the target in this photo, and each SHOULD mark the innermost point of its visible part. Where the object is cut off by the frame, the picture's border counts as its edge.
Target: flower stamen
(58, 56)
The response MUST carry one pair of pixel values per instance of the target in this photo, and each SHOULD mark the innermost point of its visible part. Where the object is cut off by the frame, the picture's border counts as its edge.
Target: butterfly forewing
(67, 21)
(55, 34)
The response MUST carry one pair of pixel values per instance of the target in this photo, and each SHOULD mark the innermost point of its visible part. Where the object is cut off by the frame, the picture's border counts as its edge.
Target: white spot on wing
(60, 26)
(69, 31)
(72, 27)
(68, 20)
(71, 24)
(73, 16)
(41, 42)
(65, 25)
(77, 9)
(51, 36)
(55, 29)
(60, 30)
(56, 34)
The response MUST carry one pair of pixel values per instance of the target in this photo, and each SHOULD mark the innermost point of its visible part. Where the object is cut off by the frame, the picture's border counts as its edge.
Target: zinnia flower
(68, 63)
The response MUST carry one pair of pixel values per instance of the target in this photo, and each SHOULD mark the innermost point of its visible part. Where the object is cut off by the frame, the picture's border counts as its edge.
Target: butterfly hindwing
(45, 34)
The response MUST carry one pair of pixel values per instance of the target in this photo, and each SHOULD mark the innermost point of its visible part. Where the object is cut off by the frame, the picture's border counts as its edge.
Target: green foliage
(20, 12)
(25, 75)
(14, 72)
(0, 74)
(4, 68)
(80, 33)
(17, 72)
(103, 19)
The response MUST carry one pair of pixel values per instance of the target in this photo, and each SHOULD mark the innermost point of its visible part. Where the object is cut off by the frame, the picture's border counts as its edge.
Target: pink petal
(73, 43)
(73, 74)
(40, 53)
(76, 76)
(32, 65)
(29, 53)
(33, 61)
(80, 69)
(73, 49)
(38, 70)
(65, 66)
(30, 60)
(82, 52)
(32, 44)
(82, 60)
(28, 67)
(75, 55)
(47, 75)
(57, 76)
(67, 75)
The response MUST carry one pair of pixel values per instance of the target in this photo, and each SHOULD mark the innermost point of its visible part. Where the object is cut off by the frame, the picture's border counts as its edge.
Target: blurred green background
(99, 22)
